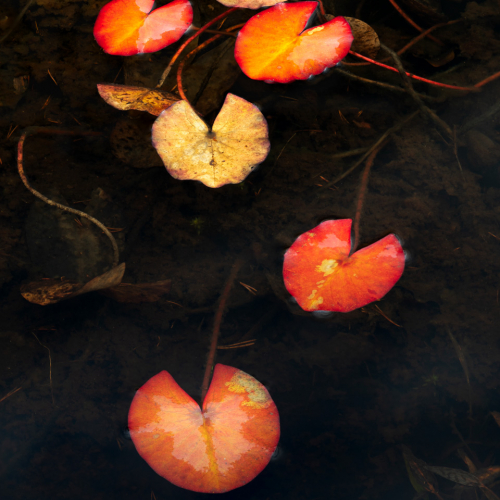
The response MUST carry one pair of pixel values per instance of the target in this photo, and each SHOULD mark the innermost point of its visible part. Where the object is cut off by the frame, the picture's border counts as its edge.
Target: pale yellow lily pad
(237, 143)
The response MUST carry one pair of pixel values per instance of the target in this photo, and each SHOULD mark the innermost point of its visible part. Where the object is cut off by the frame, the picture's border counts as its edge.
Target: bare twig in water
(50, 366)
(374, 146)
(20, 159)
(409, 87)
(463, 362)
(10, 393)
(383, 85)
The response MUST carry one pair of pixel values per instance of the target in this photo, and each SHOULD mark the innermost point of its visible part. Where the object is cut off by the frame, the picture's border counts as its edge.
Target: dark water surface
(350, 388)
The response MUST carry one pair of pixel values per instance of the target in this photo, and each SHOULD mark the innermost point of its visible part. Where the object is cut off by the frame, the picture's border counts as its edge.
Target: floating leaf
(51, 291)
(249, 4)
(237, 143)
(211, 450)
(126, 97)
(456, 475)
(129, 27)
(273, 45)
(321, 275)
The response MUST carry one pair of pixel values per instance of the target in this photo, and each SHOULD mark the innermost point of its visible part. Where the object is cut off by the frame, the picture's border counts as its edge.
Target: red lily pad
(274, 47)
(215, 449)
(130, 27)
(321, 275)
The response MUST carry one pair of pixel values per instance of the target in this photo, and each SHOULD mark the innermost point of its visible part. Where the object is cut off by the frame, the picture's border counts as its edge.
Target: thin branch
(413, 23)
(20, 159)
(377, 143)
(409, 87)
(383, 85)
(415, 77)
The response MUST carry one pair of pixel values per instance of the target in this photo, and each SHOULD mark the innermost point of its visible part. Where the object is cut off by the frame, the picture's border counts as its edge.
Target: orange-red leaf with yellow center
(129, 27)
(321, 275)
(211, 450)
(274, 47)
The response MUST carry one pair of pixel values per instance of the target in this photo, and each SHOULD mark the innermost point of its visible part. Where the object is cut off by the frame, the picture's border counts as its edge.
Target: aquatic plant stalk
(217, 322)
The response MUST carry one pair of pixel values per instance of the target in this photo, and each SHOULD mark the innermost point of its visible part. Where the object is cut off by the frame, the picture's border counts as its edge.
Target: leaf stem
(217, 322)
(188, 41)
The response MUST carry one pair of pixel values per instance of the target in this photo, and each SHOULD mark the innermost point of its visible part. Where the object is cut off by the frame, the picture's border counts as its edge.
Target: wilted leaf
(215, 449)
(237, 143)
(456, 475)
(126, 97)
(51, 291)
(129, 27)
(273, 45)
(136, 293)
(420, 477)
(366, 40)
(319, 272)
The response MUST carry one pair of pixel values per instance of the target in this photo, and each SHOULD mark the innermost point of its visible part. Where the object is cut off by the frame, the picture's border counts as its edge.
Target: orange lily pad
(319, 272)
(213, 449)
(127, 97)
(273, 45)
(130, 27)
(226, 154)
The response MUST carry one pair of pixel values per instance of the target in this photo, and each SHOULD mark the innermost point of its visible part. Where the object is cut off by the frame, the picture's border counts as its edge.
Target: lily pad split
(213, 449)
(237, 143)
(319, 272)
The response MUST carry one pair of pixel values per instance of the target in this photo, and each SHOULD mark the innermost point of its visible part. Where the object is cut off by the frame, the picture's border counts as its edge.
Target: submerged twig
(409, 87)
(374, 146)
(10, 393)
(50, 366)
(463, 362)
(20, 159)
(383, 85)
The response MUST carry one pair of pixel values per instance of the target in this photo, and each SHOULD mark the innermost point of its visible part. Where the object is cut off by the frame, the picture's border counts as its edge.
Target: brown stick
(20, 159)
(375, 145)
(411, 91)
(217, 322)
